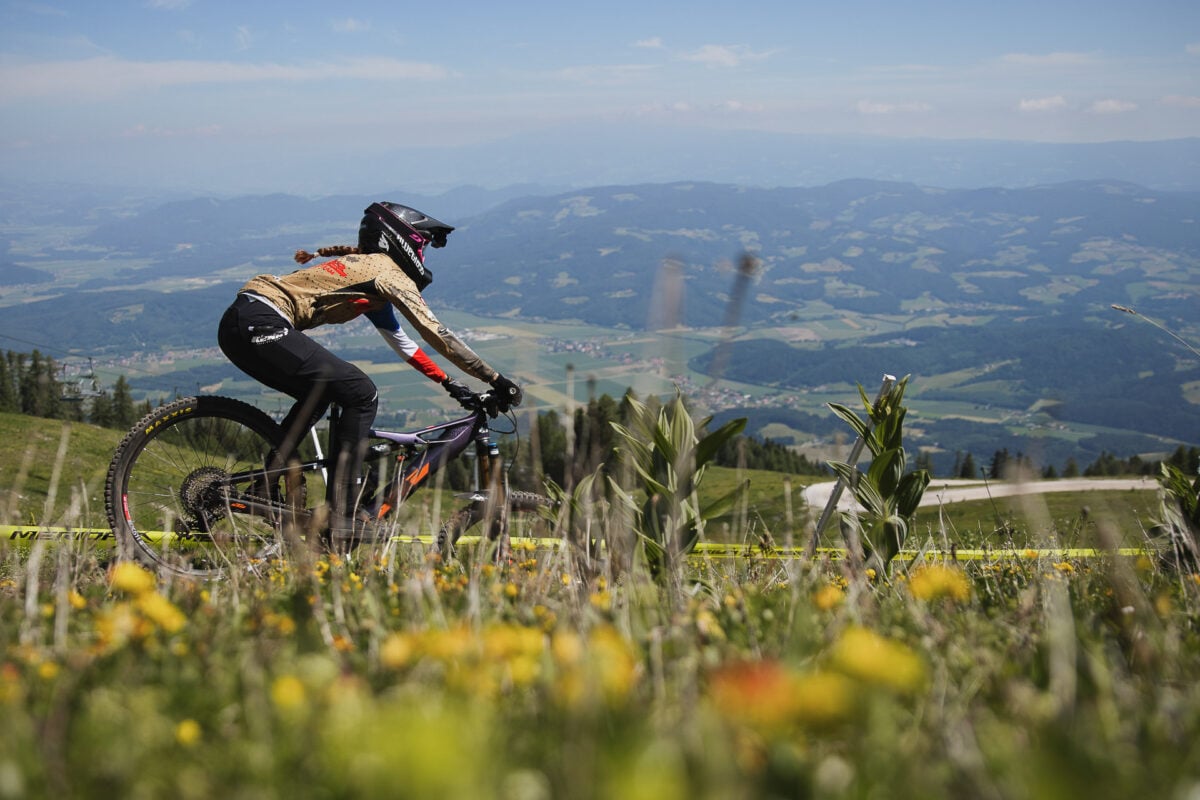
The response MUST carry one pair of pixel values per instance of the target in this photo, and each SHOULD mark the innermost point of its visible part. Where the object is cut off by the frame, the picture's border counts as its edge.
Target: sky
(236, 95)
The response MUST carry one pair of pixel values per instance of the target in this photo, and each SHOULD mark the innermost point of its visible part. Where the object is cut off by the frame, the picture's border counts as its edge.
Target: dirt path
(943, 491)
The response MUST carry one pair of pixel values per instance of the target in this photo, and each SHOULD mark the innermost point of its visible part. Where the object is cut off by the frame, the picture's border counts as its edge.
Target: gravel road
(941, 491)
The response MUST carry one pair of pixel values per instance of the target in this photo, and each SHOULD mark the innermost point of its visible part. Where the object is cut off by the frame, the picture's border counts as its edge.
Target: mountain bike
(191, 488)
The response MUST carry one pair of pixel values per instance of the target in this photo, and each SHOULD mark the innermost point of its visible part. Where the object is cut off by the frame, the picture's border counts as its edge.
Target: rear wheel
(523, 507)
(187, 492)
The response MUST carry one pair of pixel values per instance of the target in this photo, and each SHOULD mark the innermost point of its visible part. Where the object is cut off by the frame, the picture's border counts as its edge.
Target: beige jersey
(337, 291)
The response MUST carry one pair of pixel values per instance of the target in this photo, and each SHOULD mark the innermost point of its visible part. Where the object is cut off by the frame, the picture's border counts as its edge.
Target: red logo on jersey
(334, 267)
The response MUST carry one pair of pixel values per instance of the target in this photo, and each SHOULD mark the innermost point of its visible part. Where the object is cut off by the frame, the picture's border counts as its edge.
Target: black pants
(269, 349)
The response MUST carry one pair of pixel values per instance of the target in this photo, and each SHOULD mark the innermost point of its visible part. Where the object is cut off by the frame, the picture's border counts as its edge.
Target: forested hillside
(988, 297)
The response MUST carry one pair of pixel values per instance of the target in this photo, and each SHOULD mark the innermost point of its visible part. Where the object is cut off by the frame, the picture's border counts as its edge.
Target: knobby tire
(461, 521)
(167, 495)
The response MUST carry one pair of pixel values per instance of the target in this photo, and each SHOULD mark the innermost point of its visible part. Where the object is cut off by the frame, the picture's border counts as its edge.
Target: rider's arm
(385, 322)
(408, 300)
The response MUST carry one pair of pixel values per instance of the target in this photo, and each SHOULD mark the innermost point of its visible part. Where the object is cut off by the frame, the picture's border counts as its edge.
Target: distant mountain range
(1009, 288)
(594, 155)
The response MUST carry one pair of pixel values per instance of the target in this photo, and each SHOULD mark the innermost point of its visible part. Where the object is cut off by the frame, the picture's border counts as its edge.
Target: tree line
(562, 452)
(1012, 466)
(30, 383)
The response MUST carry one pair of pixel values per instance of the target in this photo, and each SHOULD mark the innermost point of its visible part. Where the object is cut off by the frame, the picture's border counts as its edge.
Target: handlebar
(490, 402)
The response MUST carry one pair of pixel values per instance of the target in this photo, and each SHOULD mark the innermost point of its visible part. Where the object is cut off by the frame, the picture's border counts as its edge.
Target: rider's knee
(358, 391)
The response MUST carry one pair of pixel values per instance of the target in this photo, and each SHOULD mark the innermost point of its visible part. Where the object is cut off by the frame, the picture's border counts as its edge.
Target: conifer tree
(122, 405)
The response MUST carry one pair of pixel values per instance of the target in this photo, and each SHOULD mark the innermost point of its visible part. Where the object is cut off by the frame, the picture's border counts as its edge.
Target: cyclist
(262, 334)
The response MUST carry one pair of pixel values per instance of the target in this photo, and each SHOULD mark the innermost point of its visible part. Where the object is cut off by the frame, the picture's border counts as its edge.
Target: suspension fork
(490, 481)
(489, 472)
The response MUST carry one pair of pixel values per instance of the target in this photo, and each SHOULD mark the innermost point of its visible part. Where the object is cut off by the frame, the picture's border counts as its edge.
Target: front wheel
(187, 492)
(523, 505)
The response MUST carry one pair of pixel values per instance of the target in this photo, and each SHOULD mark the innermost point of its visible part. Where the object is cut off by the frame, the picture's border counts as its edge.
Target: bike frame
(420, 454)
(417, 455)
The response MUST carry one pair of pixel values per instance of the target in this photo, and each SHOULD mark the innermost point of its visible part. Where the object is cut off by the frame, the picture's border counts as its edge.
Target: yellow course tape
(26, 535)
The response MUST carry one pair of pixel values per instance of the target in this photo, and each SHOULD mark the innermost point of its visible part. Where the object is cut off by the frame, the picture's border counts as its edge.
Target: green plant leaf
(724, 504)
(850, 418)
(910, 491)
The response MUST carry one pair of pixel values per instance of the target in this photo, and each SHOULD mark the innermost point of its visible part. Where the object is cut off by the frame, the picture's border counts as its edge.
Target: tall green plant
(888, 495)
(669, 459)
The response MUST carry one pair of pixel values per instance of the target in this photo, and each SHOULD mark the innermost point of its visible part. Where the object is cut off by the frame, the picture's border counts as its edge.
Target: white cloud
(871, 107)
(350, 25)
(1111, 107)
(106, 76)
(1059, 59)
(653, 43)
(605, 74)
(722, 55)
(1043, 103)
(1182, 101)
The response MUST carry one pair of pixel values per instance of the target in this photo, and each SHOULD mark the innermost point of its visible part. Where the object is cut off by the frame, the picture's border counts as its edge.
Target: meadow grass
(392, 672)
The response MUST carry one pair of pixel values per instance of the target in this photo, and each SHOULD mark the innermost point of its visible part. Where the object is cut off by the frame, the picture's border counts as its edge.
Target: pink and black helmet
(402, 233)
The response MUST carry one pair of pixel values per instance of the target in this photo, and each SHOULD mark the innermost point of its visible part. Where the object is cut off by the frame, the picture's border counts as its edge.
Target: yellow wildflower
(821, 699)
(601, 600)
(288, 693)
(940, 582)
(130, 578)
(567, 648)
(613, 660)
(1064, 567)
(507, 641)
(187, 732)
(829, 597)
(76, 600)
(161, 611)
(396, 651)
(117, 624)
(48, 670)
(873, 659)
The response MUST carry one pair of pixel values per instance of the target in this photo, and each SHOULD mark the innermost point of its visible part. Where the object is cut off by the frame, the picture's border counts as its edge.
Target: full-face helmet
(402, 233)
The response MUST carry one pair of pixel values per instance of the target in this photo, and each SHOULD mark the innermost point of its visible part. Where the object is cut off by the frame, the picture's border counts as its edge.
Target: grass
(30, 464)
(393, 672)
(1066, 519)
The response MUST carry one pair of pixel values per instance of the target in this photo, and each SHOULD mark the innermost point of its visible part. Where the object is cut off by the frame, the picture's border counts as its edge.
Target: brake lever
(490, 404)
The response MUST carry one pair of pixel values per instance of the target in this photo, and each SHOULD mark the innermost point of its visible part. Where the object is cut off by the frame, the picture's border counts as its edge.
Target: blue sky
(249, 95)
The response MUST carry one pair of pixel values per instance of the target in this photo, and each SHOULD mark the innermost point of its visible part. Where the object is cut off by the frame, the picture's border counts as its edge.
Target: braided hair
(303, 256)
